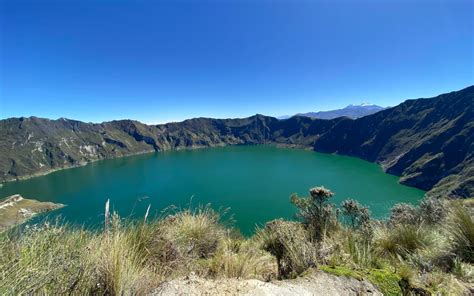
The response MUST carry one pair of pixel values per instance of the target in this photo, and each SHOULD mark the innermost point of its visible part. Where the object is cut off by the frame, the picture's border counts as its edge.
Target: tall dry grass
(461, 230)
(291, 245)
(127, 257)
(46, 259)
(243, 259)
(133, 256)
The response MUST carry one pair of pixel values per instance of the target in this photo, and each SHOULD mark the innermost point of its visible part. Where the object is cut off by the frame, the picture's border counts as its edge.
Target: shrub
(431, 210)
(289, 243)
(357, 215)
(440, 283)
(403, 213)
(385, 242)
(359, 218)
(131, 257)
(315, 212)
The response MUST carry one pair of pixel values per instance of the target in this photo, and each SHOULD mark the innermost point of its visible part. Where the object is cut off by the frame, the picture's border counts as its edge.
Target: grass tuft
(461, 229)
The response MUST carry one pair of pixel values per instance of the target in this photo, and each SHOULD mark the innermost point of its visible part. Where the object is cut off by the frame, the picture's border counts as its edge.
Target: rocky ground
(317, 283)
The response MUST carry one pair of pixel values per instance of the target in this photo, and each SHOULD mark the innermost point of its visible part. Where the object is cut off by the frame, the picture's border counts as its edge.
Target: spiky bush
(432, 211)
(357, 215)
(403, 213)
(316, 213)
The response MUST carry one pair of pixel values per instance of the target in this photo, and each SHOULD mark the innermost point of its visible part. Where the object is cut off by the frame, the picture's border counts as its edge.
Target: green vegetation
(430, 251)
(388, 282)
(342, 271)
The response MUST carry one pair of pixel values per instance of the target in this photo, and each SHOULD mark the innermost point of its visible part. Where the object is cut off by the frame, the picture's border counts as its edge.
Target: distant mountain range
(429, 143)
(351, 111)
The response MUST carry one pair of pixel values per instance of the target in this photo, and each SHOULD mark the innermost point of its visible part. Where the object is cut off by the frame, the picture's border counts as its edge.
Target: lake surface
(255, 182)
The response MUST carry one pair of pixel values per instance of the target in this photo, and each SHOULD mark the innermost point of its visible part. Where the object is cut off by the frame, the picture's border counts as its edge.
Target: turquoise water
(255, 182)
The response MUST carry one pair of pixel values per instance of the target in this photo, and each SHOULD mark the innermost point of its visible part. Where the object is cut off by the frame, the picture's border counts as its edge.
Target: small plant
(358, 217)
(463, 270)
(386, 281)
(406, 278)
(354, 212)
(360, 251)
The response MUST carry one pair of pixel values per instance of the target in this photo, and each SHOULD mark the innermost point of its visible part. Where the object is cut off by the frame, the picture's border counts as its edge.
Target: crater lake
(253, 182)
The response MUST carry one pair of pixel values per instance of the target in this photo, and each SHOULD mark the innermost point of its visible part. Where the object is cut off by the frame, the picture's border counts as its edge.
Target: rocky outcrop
(318, 283)
(429, 143)
(15, 210)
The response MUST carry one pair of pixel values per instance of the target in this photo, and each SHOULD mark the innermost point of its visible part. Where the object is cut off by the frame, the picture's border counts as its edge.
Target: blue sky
(158, 61)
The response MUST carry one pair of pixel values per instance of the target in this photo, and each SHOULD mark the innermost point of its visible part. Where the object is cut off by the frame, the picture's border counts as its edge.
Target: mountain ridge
(427, 142)
(351, 111)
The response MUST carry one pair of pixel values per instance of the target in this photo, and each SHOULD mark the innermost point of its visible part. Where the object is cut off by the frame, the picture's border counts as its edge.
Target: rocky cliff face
(428, 142)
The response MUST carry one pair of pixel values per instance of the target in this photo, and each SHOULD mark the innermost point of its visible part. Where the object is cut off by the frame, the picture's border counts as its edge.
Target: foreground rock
(318, 283)
(16, 210)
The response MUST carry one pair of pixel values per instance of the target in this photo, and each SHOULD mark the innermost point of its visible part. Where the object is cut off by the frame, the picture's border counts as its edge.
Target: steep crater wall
(427, 142)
